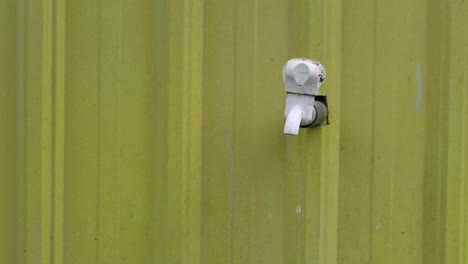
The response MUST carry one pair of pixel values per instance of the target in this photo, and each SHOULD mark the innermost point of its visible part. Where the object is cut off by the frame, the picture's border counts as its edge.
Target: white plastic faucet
(302, 80)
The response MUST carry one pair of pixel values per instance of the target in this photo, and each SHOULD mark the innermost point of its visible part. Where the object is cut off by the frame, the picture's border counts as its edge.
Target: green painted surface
(403, 133)
(8, 132)
(151, 132)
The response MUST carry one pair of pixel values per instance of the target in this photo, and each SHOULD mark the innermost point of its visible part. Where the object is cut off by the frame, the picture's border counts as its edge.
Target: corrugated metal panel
(151, 132)
(266, 198)
(8, 132)
(403, 132)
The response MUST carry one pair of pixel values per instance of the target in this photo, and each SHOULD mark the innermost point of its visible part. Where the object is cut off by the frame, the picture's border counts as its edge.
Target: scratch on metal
(419, 87)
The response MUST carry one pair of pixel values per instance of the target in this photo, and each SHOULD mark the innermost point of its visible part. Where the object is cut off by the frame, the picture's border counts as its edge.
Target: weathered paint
(151, 132)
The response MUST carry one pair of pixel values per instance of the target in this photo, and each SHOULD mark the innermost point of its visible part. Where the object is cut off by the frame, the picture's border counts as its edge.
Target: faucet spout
(293, 121)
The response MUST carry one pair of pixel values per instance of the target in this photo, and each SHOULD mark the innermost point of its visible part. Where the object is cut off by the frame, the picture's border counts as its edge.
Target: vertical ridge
(436, 126)
(331, 56)
(9, 120)
(109, 130)
(218, 215)
(161, 121)
(357, 131)
(184, 130)
(191, 174)
(456, 141)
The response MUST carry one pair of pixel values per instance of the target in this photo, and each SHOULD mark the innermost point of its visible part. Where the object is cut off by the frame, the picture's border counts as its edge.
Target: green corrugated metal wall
(150, 131)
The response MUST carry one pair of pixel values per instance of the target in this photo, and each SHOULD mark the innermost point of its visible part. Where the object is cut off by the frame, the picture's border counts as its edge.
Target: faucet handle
(302, 80)
(303, 76)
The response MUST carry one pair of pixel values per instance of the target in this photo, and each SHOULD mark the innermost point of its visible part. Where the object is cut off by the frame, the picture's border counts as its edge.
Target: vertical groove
(372, 132)
(196, 118)
(97, 132)
(253, 129)
(58, 130)
(99, 92)
(464, 83)
(21, 71)
(46, 130)
(434, 186)
(443, 135)
(185, 147)
(256, 186)
(118, 214)
(231, 143)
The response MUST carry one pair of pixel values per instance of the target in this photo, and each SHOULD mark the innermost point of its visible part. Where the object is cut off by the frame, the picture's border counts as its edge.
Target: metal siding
(403, 132)
(151, 132)
(8, 131)
(258, 203)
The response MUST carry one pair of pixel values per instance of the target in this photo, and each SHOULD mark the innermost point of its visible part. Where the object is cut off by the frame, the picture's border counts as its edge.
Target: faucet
(302, 80)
